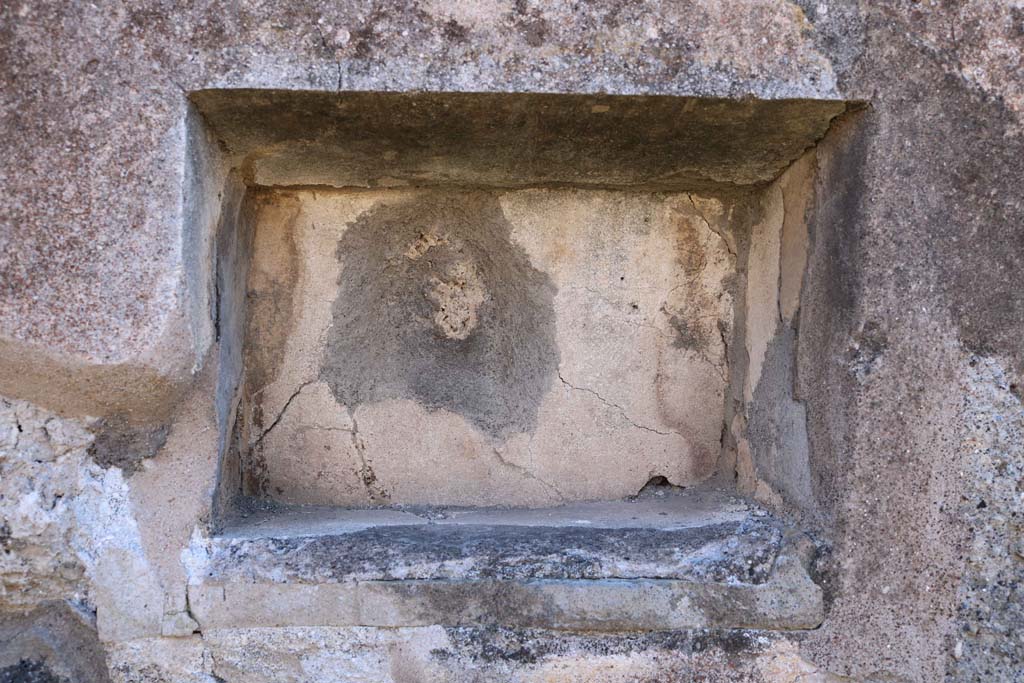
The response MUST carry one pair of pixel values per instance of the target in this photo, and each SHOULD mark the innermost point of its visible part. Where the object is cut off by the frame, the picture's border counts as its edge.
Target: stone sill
(662, 561)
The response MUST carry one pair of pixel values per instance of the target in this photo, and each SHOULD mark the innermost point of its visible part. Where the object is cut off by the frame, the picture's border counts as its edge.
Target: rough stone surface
(41, 459)
(697, 566)
(28, 671)
(354, 139)
(466, 655)
(908, 342)
(721, 552)
(911, 289)
(990, 607)
(55, 643)
(725, 544)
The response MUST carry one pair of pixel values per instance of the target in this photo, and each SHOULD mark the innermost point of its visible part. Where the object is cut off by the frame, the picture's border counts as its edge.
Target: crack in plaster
(191, 615)
(723, 367)
(707, 223)
(280, 415)
(366, 474)
(527, 473)
(647, 325)
(620, 409)
(374, 490)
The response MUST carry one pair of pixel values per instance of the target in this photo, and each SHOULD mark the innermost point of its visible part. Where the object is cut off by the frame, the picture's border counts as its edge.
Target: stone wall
(905, 344)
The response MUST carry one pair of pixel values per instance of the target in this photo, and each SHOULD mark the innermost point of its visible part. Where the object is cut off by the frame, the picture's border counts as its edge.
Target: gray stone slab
(367, 139)
(788, 600)
(661, 509)
(662, 534)
(666, 560)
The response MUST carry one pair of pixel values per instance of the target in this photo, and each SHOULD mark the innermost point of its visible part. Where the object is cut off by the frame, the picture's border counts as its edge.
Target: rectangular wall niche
(480, 354)
(488, 299)
(448, 346)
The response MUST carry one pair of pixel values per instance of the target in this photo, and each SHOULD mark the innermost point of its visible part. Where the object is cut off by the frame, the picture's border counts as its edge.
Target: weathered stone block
(675, 561)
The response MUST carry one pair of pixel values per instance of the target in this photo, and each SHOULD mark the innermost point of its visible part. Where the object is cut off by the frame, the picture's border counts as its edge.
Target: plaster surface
(485, 348)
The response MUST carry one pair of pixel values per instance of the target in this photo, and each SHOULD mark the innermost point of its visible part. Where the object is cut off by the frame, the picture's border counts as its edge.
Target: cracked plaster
(628, 269)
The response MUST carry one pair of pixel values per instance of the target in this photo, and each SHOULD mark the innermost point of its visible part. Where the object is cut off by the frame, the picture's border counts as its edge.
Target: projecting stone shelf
(665, 560)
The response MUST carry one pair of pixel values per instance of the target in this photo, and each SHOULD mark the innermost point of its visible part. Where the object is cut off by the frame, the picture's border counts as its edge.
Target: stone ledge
(740, 552)
(789, 600)
(686, 560)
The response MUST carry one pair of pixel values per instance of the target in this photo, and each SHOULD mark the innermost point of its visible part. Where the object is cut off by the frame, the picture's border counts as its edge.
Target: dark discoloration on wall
(975, 216)
(52, 644)
(730, 641)
(121, 443)
(29, 671)
(233, 248)
(711, 655)
(528, 646)
(269, 286)
(688, 335)
(945, 237)
(745, 212)
(690, 324)
(918, 232)
(827, 306)
(671, 143)
(437, 305)
(777, 424)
